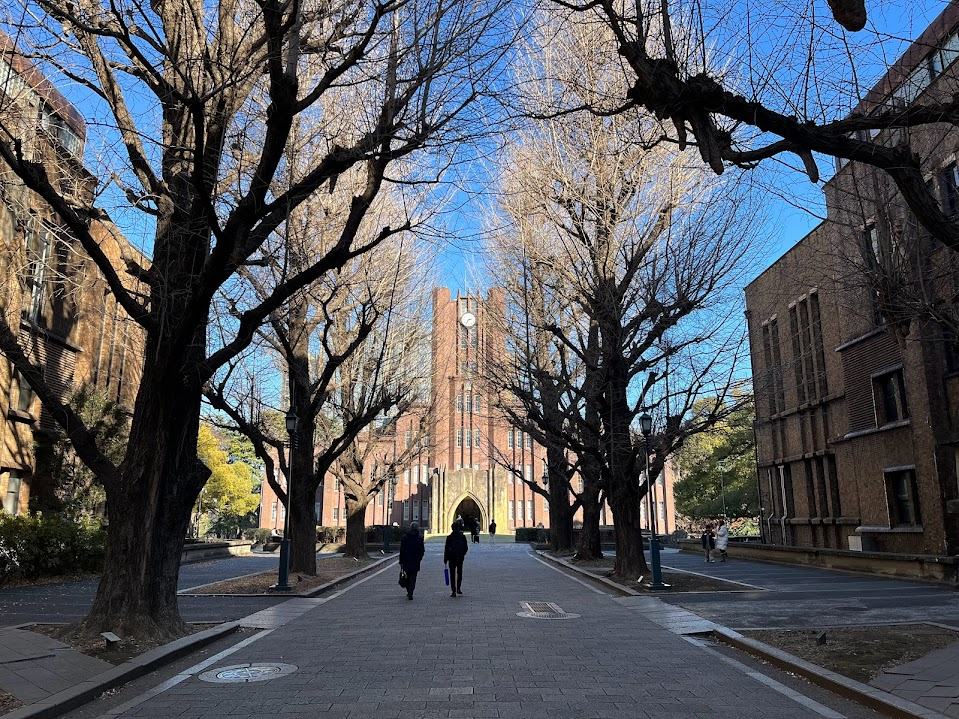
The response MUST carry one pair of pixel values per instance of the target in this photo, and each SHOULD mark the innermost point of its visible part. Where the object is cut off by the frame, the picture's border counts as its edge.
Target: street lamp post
(721, 466)
(390, 491)
(283, 580)
(646, 426)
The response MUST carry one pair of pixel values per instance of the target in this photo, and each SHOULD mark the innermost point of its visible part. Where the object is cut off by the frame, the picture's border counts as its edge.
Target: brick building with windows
(51, 294)
(857, 390)
(467, 463)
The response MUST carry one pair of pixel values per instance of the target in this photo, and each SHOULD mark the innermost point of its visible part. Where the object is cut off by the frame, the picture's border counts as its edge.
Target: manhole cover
(543, 610)
(241, 673)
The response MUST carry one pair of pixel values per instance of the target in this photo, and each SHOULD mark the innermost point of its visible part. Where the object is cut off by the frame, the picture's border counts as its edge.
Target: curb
(291, 595)
(610, 584)
(347, 577)
(78, 695)
(868, 696)
(863, 694)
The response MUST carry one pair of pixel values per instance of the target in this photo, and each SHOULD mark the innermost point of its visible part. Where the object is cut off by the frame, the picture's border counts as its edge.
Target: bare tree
(647, 247)
(196, 109)
(755, 108)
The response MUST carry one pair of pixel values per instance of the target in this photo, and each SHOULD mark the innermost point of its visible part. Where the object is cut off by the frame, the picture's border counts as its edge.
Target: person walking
(709, 542)
(475, 529)
(722, 539)
(412, 550)
(492, 532)
(453, 555)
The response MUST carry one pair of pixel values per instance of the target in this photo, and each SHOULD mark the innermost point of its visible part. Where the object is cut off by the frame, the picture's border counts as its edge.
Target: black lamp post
(283, 580)
(545, 474)
(390, 491)
(646, 427)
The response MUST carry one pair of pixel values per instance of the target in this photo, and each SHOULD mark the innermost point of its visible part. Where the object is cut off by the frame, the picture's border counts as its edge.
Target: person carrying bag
(412, 550)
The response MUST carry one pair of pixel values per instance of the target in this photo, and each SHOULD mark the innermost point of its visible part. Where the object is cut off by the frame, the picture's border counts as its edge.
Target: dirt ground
(327, 570)
(124, 651)
(860, 653)
(8, 702)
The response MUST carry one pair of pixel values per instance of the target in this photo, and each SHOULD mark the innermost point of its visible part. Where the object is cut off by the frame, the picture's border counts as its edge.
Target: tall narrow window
(949, 188)
(529, 441)
(797, 353)
(11, 502)
(509, 439)
(511, 512)
(459, 403)
(477, 407)
(819, 347)
(469, 438)
(459, 438)
(469, 403)
(779, 384)
(889, 393)
(38, 257)
(24, 395)
(903, 495)
(476, 438)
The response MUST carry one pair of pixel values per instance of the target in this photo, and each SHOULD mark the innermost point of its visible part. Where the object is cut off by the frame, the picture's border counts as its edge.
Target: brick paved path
(371, 653)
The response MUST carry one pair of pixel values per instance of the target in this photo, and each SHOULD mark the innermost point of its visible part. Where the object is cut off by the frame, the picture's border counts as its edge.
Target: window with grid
(24, 394)
(477, 405)
(529, 509)
(511, 512)
(510, 439)
(459, 403)
(459, 438)
(406, 509)
(476, 438)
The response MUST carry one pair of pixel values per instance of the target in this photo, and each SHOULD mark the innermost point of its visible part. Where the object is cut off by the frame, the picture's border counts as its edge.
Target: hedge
(532, 534)
(43, 546)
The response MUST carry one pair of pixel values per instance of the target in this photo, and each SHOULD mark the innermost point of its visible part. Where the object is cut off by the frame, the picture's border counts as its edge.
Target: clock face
(468, 319)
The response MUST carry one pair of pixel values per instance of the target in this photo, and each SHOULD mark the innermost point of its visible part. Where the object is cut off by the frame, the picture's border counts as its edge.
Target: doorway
(469, 510)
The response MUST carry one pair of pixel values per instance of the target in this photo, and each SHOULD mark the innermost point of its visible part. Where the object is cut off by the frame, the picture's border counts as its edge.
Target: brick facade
(68, 321)
(856, 405)
(466, 466)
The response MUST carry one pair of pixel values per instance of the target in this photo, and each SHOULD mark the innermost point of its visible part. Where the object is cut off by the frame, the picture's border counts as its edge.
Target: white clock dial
(468, 319)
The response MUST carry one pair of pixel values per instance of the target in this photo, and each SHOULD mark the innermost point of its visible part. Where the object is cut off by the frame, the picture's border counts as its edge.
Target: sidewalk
(371, 653)
(802, 597)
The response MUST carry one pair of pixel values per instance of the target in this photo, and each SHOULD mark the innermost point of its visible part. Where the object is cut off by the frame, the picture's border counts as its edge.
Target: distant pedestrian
(411, 554)
(475, 529)
(708, 539)
(459, 521)
(453, 555)
(722, 539)
(492, 532)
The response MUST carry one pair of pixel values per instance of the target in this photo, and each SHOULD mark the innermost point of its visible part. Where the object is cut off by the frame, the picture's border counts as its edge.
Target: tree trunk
(303, 502)
(590, 541)
(560, 520)
(356, 528)
(630, 560)
(149, 508)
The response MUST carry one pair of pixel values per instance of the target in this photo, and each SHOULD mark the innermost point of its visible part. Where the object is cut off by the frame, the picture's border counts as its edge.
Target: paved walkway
(368, 652)
(803, 597)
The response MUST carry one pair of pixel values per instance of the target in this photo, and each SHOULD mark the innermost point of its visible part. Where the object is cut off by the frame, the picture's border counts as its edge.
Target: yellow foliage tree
(228, 493)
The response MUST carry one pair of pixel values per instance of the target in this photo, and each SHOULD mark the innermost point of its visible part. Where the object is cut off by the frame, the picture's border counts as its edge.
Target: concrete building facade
(857, 386)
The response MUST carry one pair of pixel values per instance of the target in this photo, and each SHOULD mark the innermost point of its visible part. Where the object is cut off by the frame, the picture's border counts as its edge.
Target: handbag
(446, 575)
(404, 579)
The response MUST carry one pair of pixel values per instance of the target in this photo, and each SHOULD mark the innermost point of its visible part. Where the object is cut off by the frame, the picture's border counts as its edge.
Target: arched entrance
(468, 508)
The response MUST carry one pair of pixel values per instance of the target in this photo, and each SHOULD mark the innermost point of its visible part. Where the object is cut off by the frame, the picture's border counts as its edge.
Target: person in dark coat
(453, 555)
(492, 531)
(475, 529)
(411, 554)
(708, 539)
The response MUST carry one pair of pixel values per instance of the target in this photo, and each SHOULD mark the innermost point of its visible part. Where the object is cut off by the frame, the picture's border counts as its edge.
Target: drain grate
(543, 610)
(242, 673)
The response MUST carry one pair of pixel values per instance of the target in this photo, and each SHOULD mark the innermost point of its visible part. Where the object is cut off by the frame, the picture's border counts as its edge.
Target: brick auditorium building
(857, 410)
(468, 467)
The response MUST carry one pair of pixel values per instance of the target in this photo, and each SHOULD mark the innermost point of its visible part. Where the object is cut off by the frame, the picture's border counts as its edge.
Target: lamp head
(545, 476)
(291, 421)
(645, 424)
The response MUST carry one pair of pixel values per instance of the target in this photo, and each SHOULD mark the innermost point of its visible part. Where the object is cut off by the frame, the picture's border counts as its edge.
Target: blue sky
(794, 204)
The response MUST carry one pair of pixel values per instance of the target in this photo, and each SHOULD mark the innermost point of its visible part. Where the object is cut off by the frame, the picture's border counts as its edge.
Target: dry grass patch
(327, 570)
(860, 653)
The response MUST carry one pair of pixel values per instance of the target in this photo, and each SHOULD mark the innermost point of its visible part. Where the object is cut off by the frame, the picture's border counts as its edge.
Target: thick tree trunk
(149, 509)
(630, 560)
(355, 529)
(590, 541)
(303, 502)
(560, 520)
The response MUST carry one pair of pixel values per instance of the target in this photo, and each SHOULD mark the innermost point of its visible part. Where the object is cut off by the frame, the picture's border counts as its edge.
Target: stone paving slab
(370, 652)
(931, 681)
